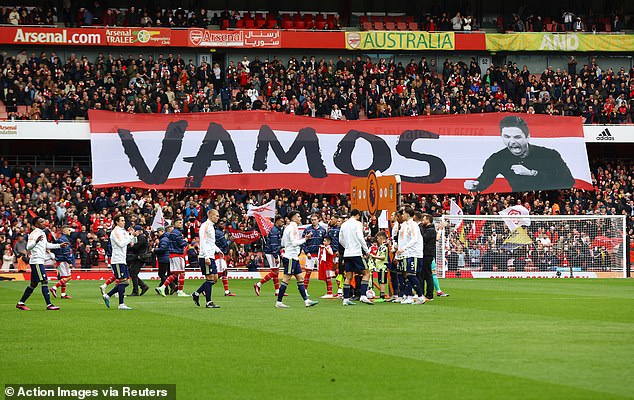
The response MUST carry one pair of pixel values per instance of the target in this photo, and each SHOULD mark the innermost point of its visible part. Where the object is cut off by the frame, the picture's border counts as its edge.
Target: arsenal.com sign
(253, 38)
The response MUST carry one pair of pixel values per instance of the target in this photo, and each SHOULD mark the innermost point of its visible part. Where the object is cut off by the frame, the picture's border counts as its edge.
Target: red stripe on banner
(541, 126)
(306, 183)
(471, 41)
(314, 40)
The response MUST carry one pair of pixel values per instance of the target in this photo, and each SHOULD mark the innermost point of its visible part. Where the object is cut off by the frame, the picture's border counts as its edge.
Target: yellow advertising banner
(544, 41)
(400, 40)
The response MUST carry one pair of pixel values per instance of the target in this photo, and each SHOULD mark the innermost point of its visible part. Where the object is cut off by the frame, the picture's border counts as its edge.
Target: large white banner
(260, 150)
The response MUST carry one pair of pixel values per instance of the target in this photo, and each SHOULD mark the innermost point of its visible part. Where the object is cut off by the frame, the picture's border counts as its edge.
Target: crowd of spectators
(566, 21)
(67, 198)
(351, 87)
(98, 15)
(435, 19)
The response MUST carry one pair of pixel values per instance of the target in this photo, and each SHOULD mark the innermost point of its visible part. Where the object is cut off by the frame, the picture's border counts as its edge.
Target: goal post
(531, 246)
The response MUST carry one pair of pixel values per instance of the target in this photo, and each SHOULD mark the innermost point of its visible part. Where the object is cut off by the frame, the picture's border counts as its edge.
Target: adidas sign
(605, 135)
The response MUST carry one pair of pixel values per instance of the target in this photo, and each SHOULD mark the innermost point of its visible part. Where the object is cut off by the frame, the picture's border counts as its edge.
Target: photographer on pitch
(136, 258)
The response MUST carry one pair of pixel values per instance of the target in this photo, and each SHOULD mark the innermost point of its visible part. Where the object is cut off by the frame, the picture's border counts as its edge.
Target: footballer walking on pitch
(272, 249)
(119, 240)
(38, 246)
(292, 242)
(351, 238)
(208, 250)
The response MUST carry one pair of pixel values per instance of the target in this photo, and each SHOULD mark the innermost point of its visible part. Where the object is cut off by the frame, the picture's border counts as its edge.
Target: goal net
(523, 246)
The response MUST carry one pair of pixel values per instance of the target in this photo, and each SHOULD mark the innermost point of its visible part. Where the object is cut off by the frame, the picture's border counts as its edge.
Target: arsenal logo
(353, 39)
(195, 36)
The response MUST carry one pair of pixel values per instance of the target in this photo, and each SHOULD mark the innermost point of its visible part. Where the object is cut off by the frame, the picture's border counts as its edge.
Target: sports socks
(309, 272)
(27, 293)
(47, 295)
(364, 287)
(181, 281)
(225, 281)
(415, 284)
(329, 286)
(121, 289)
(346, 290)
(274, 274)
(436, 283)
(280, 295)
(302, 290)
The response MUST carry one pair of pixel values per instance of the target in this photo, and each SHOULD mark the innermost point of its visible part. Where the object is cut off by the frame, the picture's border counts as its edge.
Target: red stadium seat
(401, 26)
(398, 18)
(271, 23)
(224, 24)
(320, 25)
(390, 26)
(367, 26)
(320, 17)
(240, 23)
(287, 24)
(299, 24)
(376, 18)
(362, 19)
(249, 24)
(409, 18)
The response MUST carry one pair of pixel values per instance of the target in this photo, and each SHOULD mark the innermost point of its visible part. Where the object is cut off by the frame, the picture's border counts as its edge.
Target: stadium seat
(320, 25)
(367, 26)
(249, 24)
(409, 18)
(224, 24)
(398, 18)
(271, 23)
(240, 23)
(363, 19)
(390, 26)
(401, 26)
(299, 24)
(287, 24)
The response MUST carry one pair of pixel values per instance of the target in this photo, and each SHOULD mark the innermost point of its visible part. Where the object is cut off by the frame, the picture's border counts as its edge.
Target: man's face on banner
(516, 141)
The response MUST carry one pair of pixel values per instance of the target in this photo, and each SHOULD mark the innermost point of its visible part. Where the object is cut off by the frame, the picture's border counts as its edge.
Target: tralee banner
(400, 40)
(259, 150)
(571, 41)
(86, 37)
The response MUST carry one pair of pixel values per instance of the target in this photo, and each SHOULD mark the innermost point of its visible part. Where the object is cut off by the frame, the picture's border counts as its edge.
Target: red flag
(264, 223)
(244, 237)
(32, 213)
(476, 227)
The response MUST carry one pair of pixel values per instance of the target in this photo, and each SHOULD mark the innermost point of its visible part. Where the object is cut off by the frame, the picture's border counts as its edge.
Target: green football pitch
(491, 339)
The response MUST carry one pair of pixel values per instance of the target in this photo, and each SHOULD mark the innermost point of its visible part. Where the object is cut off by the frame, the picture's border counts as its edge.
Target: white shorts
(311, 263)
(177, 264)
(221, 265)
(63, 268)
(272, 261)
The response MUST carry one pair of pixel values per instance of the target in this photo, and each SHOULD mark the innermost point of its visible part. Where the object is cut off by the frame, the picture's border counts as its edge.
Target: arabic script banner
(252, 38)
